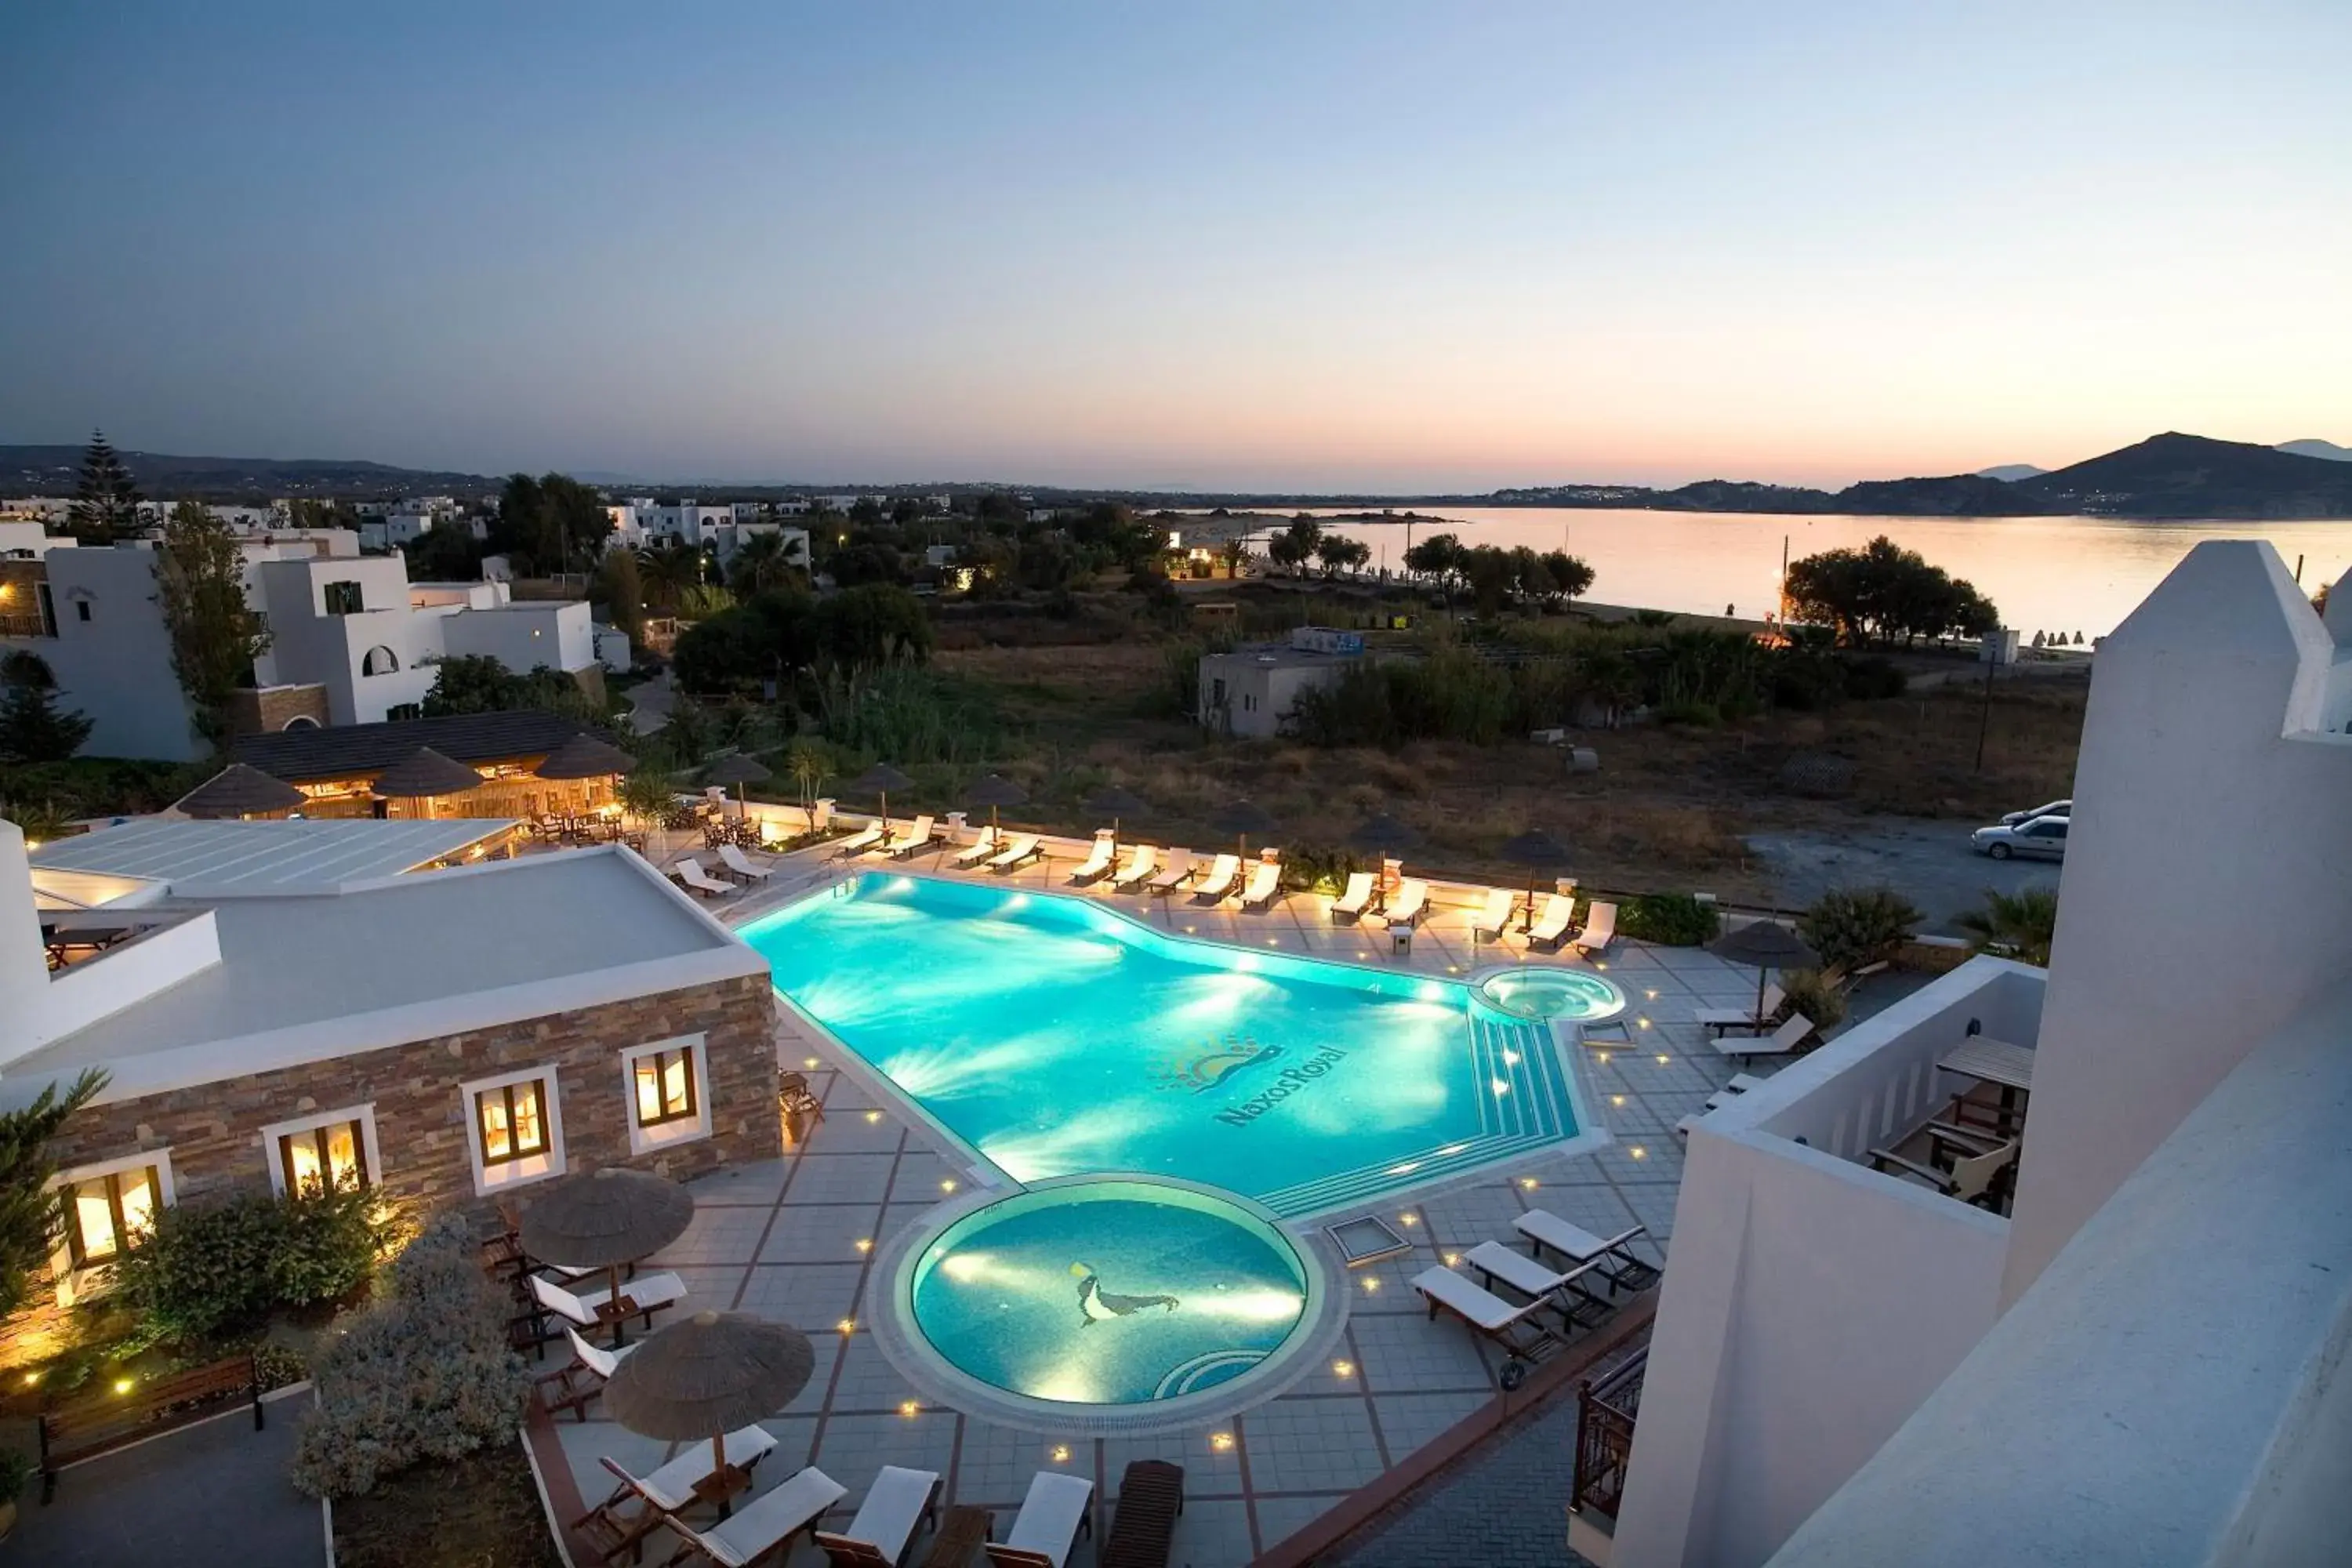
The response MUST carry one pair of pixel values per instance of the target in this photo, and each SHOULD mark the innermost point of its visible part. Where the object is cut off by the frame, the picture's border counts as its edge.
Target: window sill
(508, 1174)
(667, 1135)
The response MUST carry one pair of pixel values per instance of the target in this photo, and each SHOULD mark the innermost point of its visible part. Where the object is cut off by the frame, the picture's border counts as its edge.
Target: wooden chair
(1143, 1527)
(792, 1095)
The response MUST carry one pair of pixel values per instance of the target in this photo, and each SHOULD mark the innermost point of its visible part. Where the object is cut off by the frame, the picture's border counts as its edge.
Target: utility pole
(1984, 720)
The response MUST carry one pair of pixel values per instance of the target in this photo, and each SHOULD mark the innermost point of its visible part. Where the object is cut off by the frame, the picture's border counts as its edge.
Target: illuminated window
(668, 1089)
(513, 1122)
(664, 1086)
(105, 1213)
(335, 1149)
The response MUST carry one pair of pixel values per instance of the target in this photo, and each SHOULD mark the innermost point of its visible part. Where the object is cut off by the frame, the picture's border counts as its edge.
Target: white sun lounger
(651, 1292)
(898, 1502)
(1487, 1315)
(571, 1386)
(1264, 887)
(1721, 1019)
(1411, 903)
(735, 860)
(924, 832)
(859, 842)
(1551, 926)
(767, 1521)
(1600, 928)
(1781, 1042)
(1141, 862)
(1218, 885)
(1490, 922)
(1178, 873)
(1055, 1513)
(689, 871)
(1545, 1229)
(1357, 901)
(1016, 853)
(671, 1488)
(1539, 1281)
(1097, 863)
(1741, 1082)
(978, 850)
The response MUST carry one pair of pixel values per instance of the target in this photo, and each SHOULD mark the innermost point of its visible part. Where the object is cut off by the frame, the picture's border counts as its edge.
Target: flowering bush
(423, 1374)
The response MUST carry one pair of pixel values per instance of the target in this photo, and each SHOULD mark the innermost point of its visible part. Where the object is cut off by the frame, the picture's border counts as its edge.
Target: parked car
(2040, 837)
(2055, 809)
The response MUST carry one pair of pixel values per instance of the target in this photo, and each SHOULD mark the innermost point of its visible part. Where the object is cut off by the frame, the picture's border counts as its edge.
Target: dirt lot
(1670, 807)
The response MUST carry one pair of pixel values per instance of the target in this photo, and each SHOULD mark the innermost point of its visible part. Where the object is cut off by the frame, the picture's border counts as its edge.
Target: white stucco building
(1253, 690)
(2140, 1362)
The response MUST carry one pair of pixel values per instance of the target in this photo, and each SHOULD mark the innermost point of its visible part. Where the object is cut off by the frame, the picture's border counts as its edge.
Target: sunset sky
(1439, 247)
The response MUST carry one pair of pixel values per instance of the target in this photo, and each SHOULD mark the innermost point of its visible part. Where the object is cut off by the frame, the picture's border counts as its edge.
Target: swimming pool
(1539, 992)
(1054, 1036)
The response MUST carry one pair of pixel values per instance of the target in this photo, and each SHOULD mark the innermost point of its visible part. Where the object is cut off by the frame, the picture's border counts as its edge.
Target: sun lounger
(1141, 862)
(1720, 1019)
(1412, 903)
(651, 1292)
(1488, 1315)
(859, 842)
(1599, 930)
(1097, 863)
(1016, 853)
(1218, 885)
(1359, 899)
(743, 865)
(689, 871)
(1564, 1289)
(921, 835)
(1619, 1265)
(1178, 871)
(1740, 1084)
(1491, 921)
(981, 849)
(638, 1506)
(898, 1502)
(1551, 926)
(767, 1523)
(1264, 885)
(1781, 1042)
(1053, 1516)
(1150, 1495)
(572, 1385)
(671, 1488)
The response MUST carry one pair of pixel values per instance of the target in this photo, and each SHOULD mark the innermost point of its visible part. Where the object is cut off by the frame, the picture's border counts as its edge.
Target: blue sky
(1317, 245)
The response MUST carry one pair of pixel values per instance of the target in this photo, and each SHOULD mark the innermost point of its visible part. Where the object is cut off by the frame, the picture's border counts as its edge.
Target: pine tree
(106, 503)
(31, 728)
(215, 633)
(30, 1214)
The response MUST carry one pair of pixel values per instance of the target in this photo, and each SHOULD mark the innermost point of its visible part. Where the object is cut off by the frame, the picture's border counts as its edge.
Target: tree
(450, 554)
(106, 503)
(31, 1218)
(1295, 546)
(646, 793)
(872, 624)
(2015, 925)
(552, 523)
(1570, 577)
(622, 589)
(31, 728)
(764, 561)
(806, 761)
(1442, 558)
(477, 683)
(1883, 591)
(216, 634)
(1338, 553)
(668, 572)
(1235, 554)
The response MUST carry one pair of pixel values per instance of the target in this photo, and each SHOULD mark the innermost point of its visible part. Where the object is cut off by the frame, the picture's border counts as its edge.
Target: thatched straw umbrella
(709, 1374)
(1539, 851)
(583, 757)
(1116, 803)
(239, 791)
(880, 779)
(1241, 818)
(737, 770)
(424, 775)
(993, 792)
(1765, 945)
(611, 1217)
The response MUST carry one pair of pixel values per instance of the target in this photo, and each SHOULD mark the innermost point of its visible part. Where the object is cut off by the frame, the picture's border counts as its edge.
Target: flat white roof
(311, 976)
(248, 859)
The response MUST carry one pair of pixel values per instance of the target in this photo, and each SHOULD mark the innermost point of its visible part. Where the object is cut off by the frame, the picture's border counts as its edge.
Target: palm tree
(646, 795)
(669, 572)
(2015, 925)
(761, 563)
(806, 763)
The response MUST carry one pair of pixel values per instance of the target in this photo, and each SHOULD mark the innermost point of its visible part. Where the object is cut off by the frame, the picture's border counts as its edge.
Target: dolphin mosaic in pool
(1097, 1305)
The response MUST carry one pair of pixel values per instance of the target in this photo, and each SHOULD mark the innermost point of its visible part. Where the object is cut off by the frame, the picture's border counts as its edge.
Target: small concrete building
(1251, 690)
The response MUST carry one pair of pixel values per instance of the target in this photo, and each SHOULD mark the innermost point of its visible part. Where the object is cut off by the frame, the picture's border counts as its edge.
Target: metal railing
(1605, 1412)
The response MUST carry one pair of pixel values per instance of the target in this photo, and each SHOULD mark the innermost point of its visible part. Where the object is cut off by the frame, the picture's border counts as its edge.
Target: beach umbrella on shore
(1764, 945)
(993, 792)
(423, 775)
(737, 770)
(707, 1376)
(1116, 803)
(1241, 818)
(1539, 852)
(610, 1216)
(880, 779)
(239, 791)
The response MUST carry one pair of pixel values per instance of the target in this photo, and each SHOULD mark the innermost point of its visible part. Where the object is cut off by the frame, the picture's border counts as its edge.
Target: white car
(2054, 808)
(2036, 837)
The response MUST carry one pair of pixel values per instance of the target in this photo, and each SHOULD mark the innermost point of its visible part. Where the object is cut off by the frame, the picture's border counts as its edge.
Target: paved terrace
(794, 1239)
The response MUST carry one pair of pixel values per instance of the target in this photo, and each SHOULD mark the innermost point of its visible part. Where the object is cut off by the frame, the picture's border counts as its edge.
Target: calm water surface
(2045, 574)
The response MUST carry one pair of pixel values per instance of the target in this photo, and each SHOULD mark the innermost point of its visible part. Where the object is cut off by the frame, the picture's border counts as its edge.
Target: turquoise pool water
(1055, 1035)
(1537, 992)
(1106, 1292)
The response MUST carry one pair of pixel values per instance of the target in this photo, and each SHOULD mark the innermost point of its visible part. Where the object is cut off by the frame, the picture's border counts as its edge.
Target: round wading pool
(1107, 1303)
(1542, 993)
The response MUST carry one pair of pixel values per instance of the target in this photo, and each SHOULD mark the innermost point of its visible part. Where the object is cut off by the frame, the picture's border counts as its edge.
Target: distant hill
(2010, 472)
(51, 470)
(2312, 446)
(2173, 475)
(1956, 495)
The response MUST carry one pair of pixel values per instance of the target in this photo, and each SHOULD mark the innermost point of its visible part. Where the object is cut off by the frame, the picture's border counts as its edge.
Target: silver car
(2038, 837)
(2054, 808)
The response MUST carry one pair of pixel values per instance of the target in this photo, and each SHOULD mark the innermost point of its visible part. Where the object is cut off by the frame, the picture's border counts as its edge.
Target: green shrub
(1873, 676)
(16, 1469)
(1311, 868)
(1815, 997)
(1851, 927)
(423, 1374)
(1672, 920)
(210, 1271)
(1698, 715)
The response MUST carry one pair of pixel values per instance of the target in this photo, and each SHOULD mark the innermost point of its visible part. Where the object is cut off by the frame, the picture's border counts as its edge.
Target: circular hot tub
(1107, 1303)
(1537, 991)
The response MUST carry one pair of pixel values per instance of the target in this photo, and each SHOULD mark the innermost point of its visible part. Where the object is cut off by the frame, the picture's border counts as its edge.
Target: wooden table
(1988, 1061)
(722, 1486)
(617, 1313)
(965, 1529)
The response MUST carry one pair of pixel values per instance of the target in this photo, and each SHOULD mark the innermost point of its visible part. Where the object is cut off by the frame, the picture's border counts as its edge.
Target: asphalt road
(1927, 861)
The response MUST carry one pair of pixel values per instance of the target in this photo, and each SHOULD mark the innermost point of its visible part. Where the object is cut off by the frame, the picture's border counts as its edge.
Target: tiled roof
(364, 750)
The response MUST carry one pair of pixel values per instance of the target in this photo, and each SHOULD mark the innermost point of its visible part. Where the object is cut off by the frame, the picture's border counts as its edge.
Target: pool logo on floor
(1209, 1069)
(1097, 1305)
(1292, 1080)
